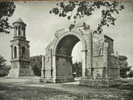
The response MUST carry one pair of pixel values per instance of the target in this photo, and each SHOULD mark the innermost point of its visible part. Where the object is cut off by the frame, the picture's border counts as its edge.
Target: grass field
(61, 92)
(45, 91)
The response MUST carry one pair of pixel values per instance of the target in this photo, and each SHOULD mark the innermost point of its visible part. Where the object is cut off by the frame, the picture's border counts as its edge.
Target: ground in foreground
(45, 91)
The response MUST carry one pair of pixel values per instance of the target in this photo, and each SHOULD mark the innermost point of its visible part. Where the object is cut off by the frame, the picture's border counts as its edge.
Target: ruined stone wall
(98, 65)
(110, 42)
(99, 57)
(113, 67)
(104, 63)
(113, 70)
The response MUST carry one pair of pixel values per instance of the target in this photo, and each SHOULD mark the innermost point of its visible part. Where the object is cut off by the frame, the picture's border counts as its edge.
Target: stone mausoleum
(20, 51)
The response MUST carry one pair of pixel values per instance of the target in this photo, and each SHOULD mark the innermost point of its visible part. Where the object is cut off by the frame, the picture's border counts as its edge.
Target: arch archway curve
(83, 41)
(73, 33)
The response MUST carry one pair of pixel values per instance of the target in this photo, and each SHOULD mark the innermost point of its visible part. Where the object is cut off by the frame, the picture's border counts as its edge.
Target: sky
(41, 27)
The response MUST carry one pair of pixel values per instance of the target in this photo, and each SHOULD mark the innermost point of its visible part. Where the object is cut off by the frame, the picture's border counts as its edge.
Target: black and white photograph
(66, 50)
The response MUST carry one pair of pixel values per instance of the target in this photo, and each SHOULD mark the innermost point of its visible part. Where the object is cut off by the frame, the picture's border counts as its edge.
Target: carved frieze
(98, 44)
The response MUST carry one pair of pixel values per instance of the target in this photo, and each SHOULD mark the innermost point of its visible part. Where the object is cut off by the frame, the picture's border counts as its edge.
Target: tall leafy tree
(36, 64)
(6, 11)
(4, 69)
(2, 61)
(77, 69)
(124, 68)
(79, 9)
(130, 74)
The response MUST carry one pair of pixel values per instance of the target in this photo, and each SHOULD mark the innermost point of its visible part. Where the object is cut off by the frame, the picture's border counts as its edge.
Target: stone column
(42, 69)
(118, 67)
(17, 47)
(28, 51)
(105, 53)
(84, 55)
(91, 53)
(51, 55)
(89, 69)
(54, 68)
(11, 52)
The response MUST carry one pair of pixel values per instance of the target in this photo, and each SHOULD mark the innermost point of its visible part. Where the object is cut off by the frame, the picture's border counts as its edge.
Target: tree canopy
(36, 64)
(4, 69)
(79, 9)
(123, 64)
(6, 11)
(2, 62)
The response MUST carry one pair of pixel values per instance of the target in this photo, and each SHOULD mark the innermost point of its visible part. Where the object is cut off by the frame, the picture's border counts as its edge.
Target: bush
(4, 71)
(130, 73)
(77, 68)
(36, 64)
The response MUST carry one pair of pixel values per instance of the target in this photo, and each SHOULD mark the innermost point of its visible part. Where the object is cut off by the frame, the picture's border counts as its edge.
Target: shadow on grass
(14, 92)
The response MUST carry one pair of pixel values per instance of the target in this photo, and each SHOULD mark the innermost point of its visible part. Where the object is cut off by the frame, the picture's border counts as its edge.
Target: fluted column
(11, 52)
(54, 68)
(42, 69)
(18, 55)
(84, 62)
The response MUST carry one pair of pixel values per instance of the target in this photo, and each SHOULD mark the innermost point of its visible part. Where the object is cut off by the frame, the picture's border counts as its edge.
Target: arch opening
(15, 52)
(64, 61)
(77, 61)
(23, 52)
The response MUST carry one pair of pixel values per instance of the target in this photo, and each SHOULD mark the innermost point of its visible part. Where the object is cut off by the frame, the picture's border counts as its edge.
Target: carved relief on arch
(60, 32)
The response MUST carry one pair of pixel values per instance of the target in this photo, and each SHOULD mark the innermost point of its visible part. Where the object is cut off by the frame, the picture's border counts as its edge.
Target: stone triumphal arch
(58, 60)
(99, 65)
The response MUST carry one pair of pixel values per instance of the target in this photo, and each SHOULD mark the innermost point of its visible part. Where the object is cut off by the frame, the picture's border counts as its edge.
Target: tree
(124, 68)
(36, 64)
(2, 62)
(77, 68)
(79, 9)
(130, 73)
(6, 11)
(4, 69)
